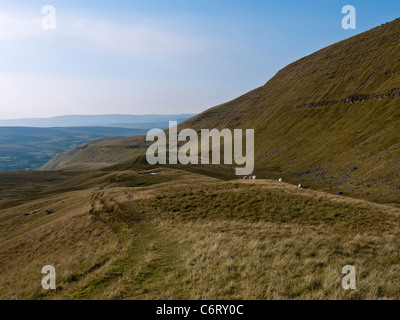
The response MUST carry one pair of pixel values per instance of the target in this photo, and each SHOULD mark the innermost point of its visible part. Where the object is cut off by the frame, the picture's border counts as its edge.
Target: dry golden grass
(68, 239)
(261, 260)
(196, 237)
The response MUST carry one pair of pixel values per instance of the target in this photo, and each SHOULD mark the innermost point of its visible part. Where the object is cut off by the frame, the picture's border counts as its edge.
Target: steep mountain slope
(362, 68)
(333, 116)
(330, 118)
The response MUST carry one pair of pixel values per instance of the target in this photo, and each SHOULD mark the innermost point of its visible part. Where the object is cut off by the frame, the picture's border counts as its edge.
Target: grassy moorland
(329, 120)
(179, 235)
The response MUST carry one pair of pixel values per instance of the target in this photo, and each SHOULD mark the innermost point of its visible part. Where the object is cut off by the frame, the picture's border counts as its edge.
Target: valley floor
(180, 235)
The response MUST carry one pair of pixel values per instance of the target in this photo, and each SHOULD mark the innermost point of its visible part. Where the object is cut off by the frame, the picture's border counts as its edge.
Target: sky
(159, 56)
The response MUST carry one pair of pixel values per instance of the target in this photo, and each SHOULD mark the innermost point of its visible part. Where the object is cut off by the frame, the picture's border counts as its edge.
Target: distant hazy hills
(27, 144)
(108, 120)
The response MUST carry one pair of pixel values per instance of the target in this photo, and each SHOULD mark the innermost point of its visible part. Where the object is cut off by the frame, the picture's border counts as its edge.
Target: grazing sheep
(254, 177)
(302, 187)
(280, 180)
(245, 178)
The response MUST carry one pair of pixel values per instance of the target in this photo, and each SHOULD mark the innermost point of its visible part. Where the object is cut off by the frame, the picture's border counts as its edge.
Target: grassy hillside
(329, 120)
(98, 153)
(132, 235)
(331, 117)
(134, 231)
(26, 148)
(119, 147)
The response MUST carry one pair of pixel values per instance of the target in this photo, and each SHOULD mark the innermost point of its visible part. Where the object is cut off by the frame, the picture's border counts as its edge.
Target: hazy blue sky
(164, 56)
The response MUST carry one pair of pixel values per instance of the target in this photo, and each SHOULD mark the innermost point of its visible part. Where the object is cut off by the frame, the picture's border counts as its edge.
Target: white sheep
(254, 177)
(302, 187)
(245, 178)
(280, 180)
